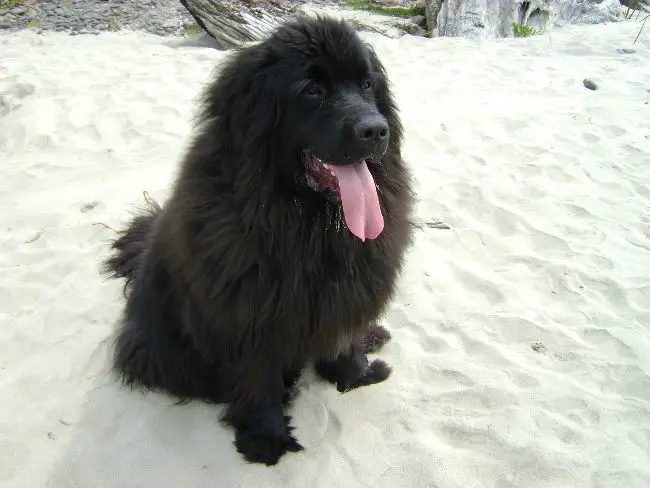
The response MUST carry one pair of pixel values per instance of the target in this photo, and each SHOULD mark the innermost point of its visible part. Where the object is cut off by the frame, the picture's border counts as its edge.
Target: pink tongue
(360, 201)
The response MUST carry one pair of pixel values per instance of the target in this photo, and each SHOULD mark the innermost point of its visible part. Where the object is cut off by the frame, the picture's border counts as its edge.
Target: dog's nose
(372, 128)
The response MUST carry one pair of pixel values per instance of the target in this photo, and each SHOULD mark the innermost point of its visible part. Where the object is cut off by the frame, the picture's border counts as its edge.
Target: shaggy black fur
(248, 273)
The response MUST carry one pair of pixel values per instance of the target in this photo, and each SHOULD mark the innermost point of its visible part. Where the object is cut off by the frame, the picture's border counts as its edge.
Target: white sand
(546, 187)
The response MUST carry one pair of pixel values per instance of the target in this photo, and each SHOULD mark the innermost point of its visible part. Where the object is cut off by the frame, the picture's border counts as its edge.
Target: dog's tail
(129, 247)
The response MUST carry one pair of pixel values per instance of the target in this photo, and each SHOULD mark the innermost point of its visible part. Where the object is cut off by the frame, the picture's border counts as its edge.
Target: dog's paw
(261, 447)
(375, 339)
(376, 372)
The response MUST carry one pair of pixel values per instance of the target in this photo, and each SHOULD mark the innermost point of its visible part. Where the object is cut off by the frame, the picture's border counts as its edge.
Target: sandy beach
(521, 347)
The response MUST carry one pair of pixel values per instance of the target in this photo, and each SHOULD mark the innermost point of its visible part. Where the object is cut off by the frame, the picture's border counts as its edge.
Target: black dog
(282, 240)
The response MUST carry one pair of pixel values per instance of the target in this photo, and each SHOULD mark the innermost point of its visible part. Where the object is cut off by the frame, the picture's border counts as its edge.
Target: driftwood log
(235, 22)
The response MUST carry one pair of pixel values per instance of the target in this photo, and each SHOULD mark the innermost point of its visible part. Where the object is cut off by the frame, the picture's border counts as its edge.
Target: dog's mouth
(319, 174)
(355, 186)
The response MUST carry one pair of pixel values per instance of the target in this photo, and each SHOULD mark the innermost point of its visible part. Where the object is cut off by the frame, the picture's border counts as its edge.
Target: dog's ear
(244, 103)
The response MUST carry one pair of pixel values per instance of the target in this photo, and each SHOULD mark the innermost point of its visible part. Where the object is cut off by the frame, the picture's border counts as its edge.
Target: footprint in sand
(324, 426)
(604, 341)
(476, 285)
(5, 105)
(560, 428)
(641, 190)
(579, 211)
(445, 378)
(11, 96)
(21, 90)
(601, 262)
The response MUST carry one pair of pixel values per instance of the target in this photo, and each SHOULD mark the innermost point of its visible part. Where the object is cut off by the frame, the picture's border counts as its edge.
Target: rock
(636, 4)
(591, 11)
(432, 8)
(589, 84)
(409, 27)
(625, 51)
(420, 20)
(484, 19)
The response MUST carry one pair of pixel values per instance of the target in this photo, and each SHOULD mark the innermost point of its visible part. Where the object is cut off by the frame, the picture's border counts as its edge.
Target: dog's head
(311, 107)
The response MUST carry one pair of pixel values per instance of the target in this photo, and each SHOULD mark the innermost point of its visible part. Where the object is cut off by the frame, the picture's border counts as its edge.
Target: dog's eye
(315, 91)
(366, 85)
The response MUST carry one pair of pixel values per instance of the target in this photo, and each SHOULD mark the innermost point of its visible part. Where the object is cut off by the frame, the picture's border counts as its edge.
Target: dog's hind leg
(375, 338)
(152, 352)
(351, 370)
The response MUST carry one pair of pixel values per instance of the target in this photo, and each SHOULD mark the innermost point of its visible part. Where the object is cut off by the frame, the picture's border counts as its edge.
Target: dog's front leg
(262, 433)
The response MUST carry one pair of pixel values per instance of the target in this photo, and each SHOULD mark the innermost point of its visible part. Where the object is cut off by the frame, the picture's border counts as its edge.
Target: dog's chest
(347, 289)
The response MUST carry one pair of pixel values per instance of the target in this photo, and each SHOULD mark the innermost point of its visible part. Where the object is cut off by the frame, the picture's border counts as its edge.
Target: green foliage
(34, 23)
(523, 30)
(401, 12)
(193, 30)
(10, 3)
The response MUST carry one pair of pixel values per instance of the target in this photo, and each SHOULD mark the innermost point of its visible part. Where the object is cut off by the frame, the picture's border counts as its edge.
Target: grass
(523, 30)
(638, 7)
(10, 3)
(401, 12)
(641, 29)
(193, 30)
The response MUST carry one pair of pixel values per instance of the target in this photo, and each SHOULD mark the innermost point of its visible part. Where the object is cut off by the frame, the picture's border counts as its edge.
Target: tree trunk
(234, 22)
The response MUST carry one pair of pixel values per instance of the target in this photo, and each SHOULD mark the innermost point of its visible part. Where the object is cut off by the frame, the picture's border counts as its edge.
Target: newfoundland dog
(281, 242)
